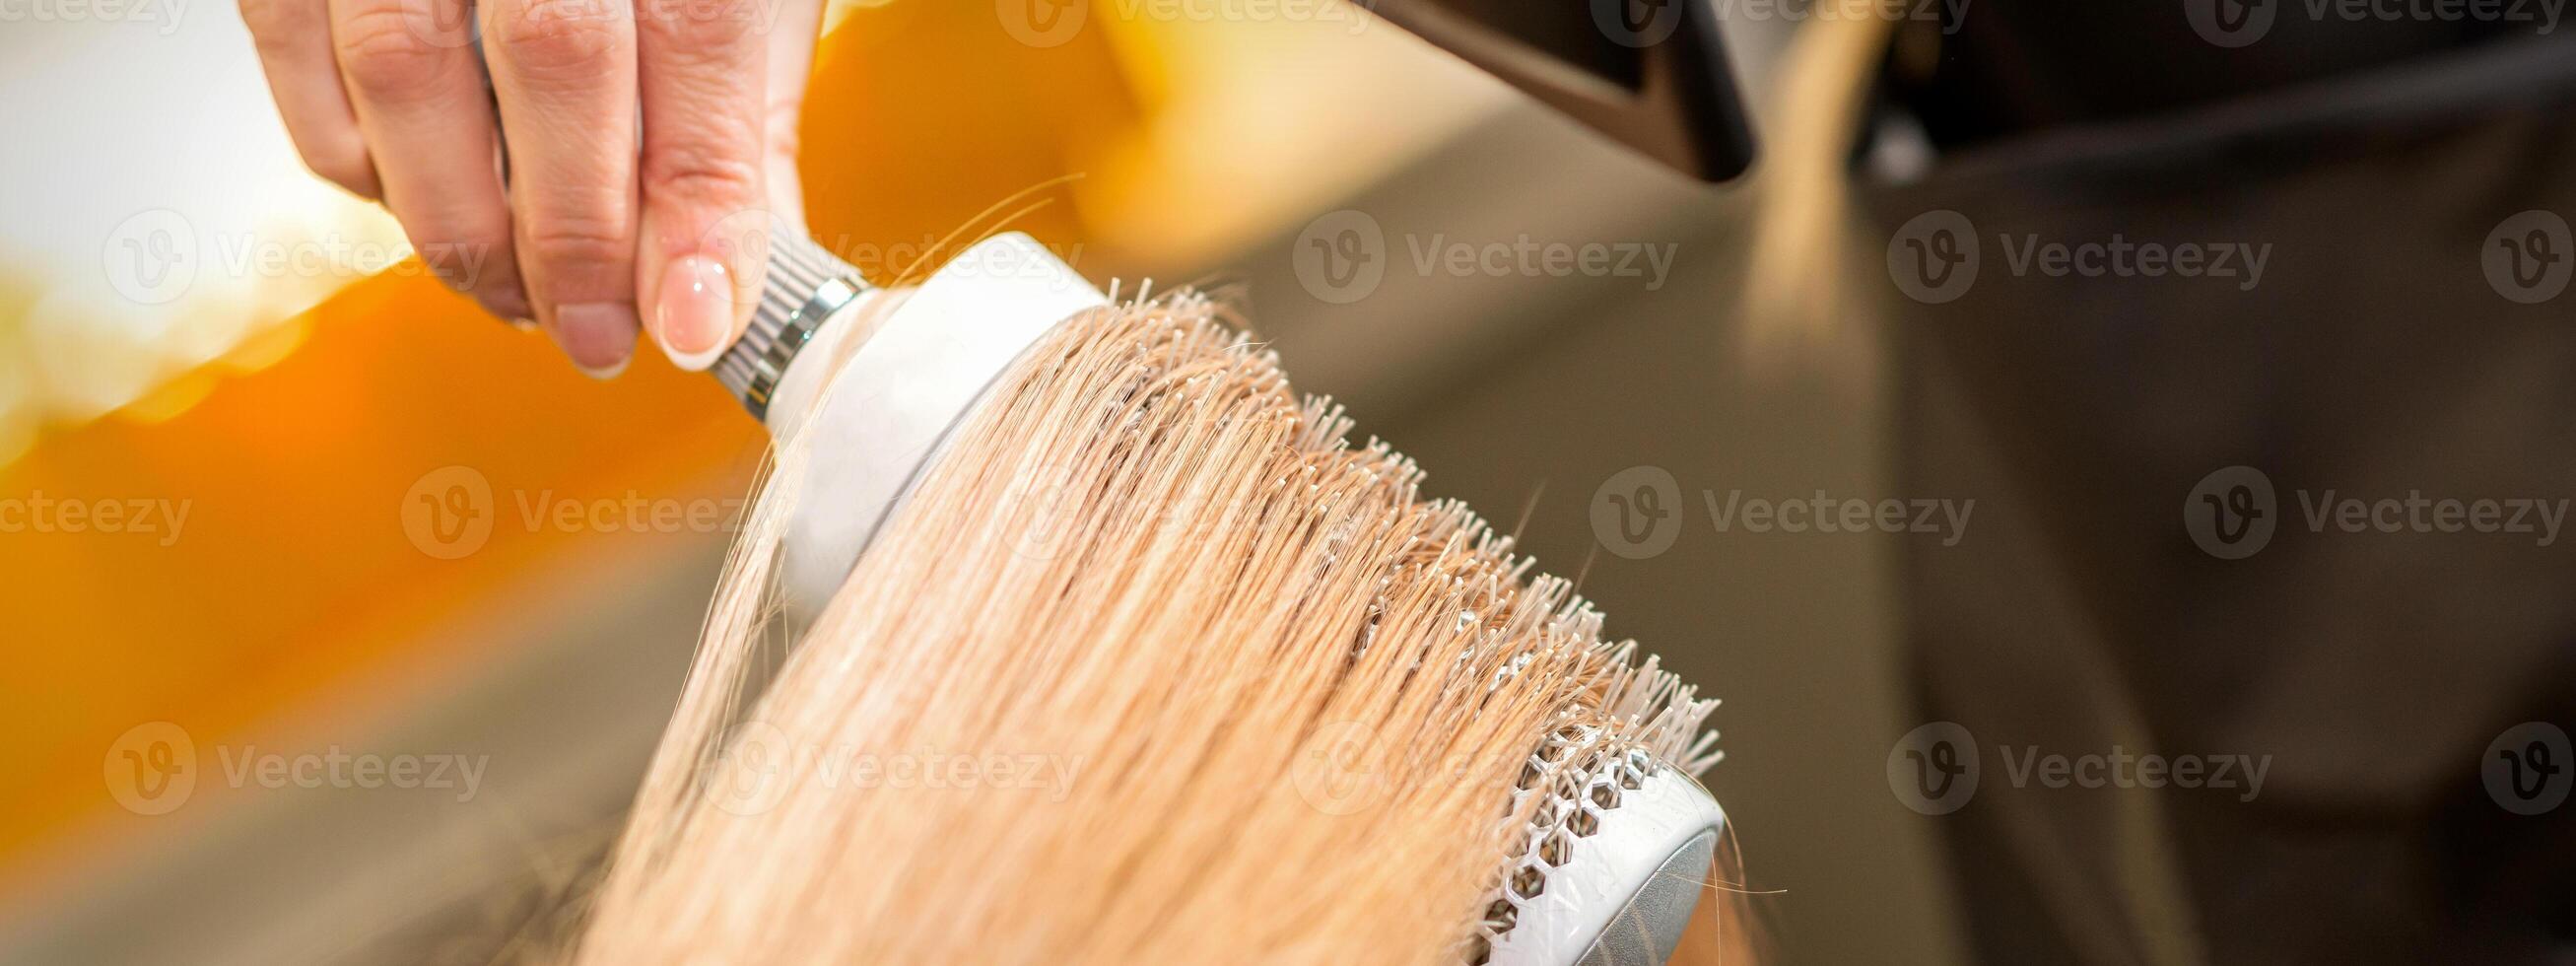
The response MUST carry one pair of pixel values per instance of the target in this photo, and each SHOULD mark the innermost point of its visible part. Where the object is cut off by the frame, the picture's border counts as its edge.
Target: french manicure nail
(599, 337)
(695, 313)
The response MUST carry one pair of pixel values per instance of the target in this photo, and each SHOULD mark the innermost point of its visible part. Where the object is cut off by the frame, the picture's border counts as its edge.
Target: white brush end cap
(1625, 893)
(883, 413)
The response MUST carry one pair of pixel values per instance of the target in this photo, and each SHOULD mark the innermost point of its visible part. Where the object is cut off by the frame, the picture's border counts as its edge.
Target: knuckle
(566, 244)
(701, 173)
(563, 37)
(704, 32)
(384, 57)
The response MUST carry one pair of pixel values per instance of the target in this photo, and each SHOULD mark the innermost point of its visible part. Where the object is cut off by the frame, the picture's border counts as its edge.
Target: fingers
(418, 98)
(294, 40)
(564, 71)
(387, 99)
(791, 65)
(704, 71)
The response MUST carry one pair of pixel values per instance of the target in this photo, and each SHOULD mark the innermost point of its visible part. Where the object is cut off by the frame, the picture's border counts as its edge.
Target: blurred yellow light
(169, 399)
(268, 346)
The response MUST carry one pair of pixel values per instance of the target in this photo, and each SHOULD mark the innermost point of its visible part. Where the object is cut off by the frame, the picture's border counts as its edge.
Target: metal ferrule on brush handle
(803, 286)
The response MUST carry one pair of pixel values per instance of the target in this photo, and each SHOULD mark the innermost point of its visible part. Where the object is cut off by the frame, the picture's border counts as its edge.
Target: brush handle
(802, 287)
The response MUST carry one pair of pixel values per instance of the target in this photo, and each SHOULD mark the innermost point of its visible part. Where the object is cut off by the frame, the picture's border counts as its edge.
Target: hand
(592, 238)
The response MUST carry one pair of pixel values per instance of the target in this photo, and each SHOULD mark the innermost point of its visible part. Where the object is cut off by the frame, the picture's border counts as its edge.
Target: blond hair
(1275, 703)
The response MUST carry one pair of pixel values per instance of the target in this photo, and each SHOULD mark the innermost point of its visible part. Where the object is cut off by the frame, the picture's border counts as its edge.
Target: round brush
(1621, 843)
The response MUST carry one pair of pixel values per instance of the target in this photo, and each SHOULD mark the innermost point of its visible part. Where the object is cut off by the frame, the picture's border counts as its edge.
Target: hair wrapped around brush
(1226, 689)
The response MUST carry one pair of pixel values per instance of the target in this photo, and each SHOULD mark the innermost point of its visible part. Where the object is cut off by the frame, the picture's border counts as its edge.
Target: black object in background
(1650, 73)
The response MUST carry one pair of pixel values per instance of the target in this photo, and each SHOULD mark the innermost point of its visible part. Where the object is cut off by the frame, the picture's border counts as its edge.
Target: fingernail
(696, 310)
(599, 337)
(508, 304)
